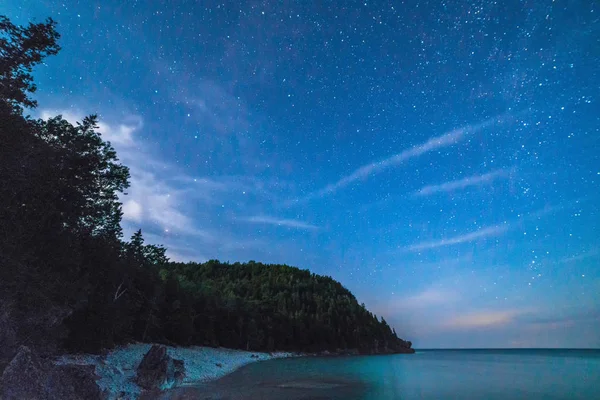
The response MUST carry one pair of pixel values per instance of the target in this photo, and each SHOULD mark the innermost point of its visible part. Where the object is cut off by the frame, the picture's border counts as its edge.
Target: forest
(70, 282)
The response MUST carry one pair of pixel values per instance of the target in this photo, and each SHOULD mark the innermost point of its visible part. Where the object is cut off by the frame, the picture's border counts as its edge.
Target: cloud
(156, 194)
(429, 301)
(469, 237)
(221, 121)
(447, 139)
(181, 211)
(153, 199)
(290, 223)
(580, 257)
(132, 210)
(483, 319)
(429, 297)
(150, 198)
(213, 105)
(474, 180)
(119, 135)
(446, 263)
(212, 189)
(563, 318)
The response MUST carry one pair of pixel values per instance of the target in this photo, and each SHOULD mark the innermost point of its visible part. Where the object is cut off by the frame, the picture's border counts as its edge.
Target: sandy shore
(202, 364)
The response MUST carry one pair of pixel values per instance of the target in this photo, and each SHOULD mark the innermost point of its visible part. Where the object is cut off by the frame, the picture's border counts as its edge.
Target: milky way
(439, 159)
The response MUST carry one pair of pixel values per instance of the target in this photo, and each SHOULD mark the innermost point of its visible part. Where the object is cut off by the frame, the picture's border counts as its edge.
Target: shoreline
(117, 368)
(246, 383)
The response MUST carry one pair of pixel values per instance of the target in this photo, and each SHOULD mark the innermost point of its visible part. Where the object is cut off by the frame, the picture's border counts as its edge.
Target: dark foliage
(21, 48)
(66, 277)
(59, 210)
(265, 307)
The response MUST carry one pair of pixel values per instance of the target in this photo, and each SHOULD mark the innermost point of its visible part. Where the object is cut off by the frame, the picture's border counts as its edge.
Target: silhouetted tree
(70, 279)
(21, 48)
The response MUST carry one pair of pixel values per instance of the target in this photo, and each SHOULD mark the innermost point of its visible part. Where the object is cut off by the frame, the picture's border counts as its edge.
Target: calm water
(464, 374)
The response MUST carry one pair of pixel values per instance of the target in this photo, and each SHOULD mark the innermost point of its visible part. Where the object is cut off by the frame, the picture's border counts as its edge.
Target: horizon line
(505, 348)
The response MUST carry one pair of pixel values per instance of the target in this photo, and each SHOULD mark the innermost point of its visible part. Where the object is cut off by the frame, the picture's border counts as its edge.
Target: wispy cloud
(580, 257)
(182, 211)
(430, 297)
(436, 298)
(561, 318)
(447, 139)
(213, 105)
(469, 237)
(474, 180)
(150, 198)
(549, 209)
(119, 135)
(289, 223)
(219, 118)
(483, 319)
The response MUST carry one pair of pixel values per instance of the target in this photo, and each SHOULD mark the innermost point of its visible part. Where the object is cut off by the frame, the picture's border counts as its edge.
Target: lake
(428, 374)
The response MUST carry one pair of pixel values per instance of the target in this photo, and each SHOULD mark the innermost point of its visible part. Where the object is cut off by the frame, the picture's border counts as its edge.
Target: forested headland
(69, 281)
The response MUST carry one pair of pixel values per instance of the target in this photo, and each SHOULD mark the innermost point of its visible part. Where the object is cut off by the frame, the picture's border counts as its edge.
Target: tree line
(69, 281)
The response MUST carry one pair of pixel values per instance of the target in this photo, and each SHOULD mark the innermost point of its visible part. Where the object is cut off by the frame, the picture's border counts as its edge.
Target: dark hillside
(258, 306)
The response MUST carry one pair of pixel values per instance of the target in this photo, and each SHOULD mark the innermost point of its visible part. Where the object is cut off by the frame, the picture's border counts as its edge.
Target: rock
(76, 382)
(8, 336)
(25, 377)
(152, 371)
(44, 328)
(7, 345)
(159, 371)
(29, 376)
(178, 371)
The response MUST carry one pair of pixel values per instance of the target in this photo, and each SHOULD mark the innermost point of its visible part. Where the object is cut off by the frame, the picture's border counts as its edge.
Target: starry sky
(440, 159)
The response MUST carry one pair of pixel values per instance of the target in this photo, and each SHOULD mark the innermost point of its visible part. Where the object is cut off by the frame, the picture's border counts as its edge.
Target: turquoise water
(441, 374)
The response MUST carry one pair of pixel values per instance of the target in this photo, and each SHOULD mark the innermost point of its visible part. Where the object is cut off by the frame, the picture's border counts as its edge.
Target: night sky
(441, 160)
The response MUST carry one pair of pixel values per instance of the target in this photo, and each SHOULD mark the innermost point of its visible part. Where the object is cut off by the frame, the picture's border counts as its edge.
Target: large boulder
(159, 371)
(152, 371)
(30, 377)
(25, 377)
(75, 382)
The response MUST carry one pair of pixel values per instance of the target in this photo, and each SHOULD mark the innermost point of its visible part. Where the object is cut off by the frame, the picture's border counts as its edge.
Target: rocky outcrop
(8, 337)
(178, 371)
(76, 382)
(159, 371)
(152, 371)
(43, 330)
(25, 377)
(28, 376)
